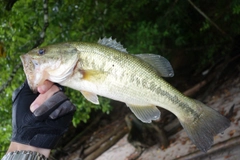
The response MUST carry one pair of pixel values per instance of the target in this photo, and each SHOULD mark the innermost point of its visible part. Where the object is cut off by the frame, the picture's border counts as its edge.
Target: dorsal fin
(112, 43)
(161, 64)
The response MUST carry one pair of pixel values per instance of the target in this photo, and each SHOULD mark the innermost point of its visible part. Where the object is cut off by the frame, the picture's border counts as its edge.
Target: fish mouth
(25, 59)
(28, 68)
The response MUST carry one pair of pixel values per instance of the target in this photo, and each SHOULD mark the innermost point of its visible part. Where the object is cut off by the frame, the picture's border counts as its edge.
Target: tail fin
(202, 130)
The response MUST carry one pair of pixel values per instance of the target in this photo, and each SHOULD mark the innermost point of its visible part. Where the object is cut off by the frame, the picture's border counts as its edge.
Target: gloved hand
(46, 124)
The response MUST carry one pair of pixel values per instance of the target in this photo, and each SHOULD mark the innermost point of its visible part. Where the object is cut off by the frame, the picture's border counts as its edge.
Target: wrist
(21, 155)
(14, 146)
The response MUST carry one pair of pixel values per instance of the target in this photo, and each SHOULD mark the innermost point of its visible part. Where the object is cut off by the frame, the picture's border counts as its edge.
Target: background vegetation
(202, 33)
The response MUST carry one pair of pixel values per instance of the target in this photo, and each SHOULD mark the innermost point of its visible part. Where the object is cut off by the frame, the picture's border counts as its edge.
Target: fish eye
(41, 51)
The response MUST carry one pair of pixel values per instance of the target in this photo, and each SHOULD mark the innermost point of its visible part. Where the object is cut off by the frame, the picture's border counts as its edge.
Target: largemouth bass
(106, 69)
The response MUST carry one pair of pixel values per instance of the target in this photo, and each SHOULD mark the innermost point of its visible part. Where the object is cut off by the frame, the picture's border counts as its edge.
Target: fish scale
(134, 79)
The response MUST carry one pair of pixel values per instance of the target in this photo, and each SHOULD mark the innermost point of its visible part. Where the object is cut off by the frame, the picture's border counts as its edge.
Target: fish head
(54, 63)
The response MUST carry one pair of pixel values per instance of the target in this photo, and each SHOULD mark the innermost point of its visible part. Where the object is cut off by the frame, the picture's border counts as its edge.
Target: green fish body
(106, 69)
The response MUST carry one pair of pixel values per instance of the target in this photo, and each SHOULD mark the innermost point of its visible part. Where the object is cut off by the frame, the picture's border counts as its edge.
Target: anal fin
(145, 113)
(90, 97)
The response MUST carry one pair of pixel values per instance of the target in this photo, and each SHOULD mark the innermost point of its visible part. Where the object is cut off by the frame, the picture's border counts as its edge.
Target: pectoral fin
(90, 97)
(145, 113)
(161, 64)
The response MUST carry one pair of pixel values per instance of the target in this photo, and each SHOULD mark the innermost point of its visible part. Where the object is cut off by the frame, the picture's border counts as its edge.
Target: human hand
(46, 122)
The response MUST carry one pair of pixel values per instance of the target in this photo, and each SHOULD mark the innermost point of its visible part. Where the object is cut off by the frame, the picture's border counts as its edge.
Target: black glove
(46, 124)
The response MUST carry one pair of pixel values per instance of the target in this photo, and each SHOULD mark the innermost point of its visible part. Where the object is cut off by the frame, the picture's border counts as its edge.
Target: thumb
(43, 97)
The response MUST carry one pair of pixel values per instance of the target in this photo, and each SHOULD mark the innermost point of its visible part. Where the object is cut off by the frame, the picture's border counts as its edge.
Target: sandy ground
(226, 145)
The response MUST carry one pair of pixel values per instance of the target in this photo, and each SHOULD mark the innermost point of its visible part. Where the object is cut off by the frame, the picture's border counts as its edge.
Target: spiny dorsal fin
(112, 43)
(161, 64)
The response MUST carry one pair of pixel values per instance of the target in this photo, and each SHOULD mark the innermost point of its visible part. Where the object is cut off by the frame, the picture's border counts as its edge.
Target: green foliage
(85, 107)
(236, 9)
(145, 26)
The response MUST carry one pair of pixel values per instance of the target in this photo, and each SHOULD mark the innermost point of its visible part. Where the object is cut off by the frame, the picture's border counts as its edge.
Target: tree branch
(208, 19)
(105, 146)
(45, 26)
(9, 80)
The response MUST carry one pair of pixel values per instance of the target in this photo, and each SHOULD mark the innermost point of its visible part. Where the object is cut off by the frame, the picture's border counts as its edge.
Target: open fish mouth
(25, 59)
(28, 68)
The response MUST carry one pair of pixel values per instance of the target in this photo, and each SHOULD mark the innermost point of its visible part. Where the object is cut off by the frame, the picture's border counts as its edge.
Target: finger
(65, 108)
(51, 105)
(43, 97)
(45, 87)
